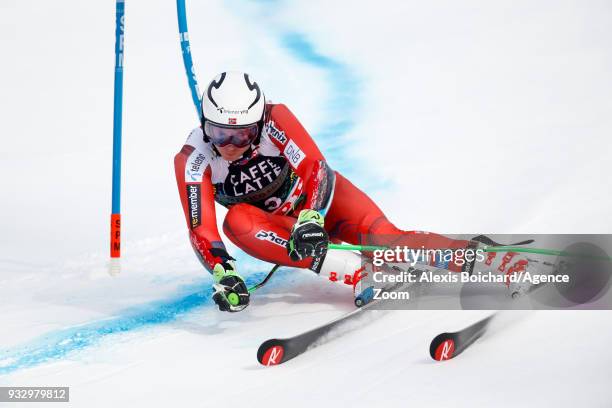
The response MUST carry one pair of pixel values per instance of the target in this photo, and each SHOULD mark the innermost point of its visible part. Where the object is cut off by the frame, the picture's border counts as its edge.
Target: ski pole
(503, 248)
(331, 246)
(348, 247)
(265, 280)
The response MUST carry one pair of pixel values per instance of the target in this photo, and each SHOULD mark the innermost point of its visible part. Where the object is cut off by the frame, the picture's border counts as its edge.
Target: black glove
(308, 237)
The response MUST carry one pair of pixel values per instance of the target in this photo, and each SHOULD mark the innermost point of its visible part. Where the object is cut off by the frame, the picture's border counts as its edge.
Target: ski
(278, 351)
(449, 345)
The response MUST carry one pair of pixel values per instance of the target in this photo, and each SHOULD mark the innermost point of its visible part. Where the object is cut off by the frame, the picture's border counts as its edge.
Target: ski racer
(285, 202)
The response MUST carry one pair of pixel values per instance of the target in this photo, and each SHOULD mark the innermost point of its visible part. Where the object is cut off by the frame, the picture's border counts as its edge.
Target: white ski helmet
(232, 99)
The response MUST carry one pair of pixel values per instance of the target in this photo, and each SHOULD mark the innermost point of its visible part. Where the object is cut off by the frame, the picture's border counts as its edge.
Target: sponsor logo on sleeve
(272, 237)
(195, 210)
(274, 133)
(194, 170)
(294, 154)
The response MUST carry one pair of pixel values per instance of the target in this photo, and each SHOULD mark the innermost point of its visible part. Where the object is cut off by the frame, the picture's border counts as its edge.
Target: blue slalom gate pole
(186, 49)
(115, 236)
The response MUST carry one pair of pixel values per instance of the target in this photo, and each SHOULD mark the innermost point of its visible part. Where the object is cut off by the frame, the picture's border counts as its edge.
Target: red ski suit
(283, 172)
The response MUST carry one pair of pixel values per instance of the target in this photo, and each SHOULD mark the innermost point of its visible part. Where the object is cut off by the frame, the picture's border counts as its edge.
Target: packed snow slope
(456, 117)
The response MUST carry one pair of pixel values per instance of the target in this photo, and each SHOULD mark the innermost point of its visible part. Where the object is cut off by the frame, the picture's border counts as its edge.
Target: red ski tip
(273, 356)
(445, 350)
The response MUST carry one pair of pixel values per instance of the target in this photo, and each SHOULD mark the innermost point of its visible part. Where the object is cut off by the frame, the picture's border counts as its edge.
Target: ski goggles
(224, 135)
